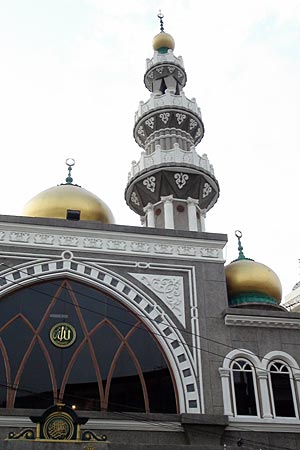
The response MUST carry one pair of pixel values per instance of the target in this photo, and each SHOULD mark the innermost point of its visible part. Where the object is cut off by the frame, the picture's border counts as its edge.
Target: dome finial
(163, 42)
(70, 162)
(239, 235)
(161, 16)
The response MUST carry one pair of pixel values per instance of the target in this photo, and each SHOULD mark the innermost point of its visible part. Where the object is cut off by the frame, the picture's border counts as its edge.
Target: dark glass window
(243, 386)
(281, 384)
(114, 364)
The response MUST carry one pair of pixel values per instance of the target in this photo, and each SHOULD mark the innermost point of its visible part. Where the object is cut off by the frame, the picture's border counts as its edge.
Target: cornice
(261, 321)
(45, 237)
(100, 424)
(288, 425)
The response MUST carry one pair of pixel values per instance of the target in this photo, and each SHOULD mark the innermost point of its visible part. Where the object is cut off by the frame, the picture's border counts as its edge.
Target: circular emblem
(58, 426)
(62, 335)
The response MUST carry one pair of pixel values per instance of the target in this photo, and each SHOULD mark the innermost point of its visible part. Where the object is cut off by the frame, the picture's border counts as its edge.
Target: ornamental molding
(169, 99)
(206, 190)
(165, 116)
(134, 199)
(160, 58)
(150, 183)
(44, 237)
(180, 120)
(181, 179)
(273, 425)
(168, 288)
(176, 155)
(164, 70)
(261, 322)
(100, 424)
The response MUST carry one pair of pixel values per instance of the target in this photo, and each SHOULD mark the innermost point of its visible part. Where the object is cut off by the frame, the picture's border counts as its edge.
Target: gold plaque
(62, 335)
(59, 426)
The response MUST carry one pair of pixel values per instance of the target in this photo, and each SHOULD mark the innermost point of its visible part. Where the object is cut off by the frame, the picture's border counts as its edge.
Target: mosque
(127, 337)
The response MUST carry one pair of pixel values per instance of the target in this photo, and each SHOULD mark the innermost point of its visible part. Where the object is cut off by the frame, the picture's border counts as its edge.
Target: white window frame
(254, 378)
(227, 381)
(294, 373)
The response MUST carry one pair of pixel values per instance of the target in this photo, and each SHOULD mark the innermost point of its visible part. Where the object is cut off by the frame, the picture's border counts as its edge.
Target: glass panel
(82, 388)
(35, 387)
(105, 353)
(94, 306)
(244, 393)
(16, 339)
(125, 392)
(282, 394)
(157, 376)
(4, 382)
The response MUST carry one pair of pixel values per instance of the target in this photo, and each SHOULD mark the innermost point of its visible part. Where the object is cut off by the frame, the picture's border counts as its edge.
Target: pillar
(168, 211)
(192, 214)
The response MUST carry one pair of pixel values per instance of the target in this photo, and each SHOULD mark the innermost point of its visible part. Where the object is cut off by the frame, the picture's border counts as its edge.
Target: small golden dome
(66, 201)
(163, 41)
(250, 282)
(245, 276)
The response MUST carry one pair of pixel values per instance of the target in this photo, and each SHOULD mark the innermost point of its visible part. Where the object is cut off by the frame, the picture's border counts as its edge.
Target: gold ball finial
(163, 41)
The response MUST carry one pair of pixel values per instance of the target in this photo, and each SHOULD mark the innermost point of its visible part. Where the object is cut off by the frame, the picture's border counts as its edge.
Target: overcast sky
(71, 79)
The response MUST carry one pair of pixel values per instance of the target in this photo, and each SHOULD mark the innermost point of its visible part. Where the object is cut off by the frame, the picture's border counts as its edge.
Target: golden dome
(68, 201)
(245, 276)
(163, 40)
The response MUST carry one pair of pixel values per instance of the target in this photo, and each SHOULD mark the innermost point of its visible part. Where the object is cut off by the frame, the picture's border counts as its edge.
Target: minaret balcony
(175, 156)
(168, 57)
(169, 99)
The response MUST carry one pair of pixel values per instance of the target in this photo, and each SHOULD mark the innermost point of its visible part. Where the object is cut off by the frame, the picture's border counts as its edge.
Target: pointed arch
(178, 356)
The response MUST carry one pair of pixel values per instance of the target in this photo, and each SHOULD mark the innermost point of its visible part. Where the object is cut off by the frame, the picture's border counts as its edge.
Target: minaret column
(150, 218)
(192, 213)
(202, 219)
(168, 211)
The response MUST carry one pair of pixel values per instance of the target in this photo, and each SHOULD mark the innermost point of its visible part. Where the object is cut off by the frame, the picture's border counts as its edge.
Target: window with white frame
(244, 390)
(282, 390)
(266, 389)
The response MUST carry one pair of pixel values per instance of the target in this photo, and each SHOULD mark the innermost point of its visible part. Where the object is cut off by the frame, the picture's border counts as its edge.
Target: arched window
(114, 362)
(282, 390)
(244, 390)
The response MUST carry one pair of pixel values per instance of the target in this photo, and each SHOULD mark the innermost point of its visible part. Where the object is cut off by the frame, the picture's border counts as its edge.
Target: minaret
(171, 186)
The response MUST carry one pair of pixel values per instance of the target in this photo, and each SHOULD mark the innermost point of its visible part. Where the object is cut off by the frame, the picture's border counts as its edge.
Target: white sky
(71, 79)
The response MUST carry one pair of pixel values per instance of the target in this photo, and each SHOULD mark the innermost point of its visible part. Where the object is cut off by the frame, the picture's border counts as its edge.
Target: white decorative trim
(150, 182)
(102, 424)
(181, 179)
(175, 154)
(110, 242)
(165, 116)
(282, 425)
(159, 58)
(262, 322)
(168, 288)
(168, 99)
(180, 118)
(206, 190)
(134, 199)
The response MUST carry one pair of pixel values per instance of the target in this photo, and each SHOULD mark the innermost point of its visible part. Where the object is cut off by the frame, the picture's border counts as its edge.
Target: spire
(239, 235)
(241, 256)
(163, 42)
(161, 16)
(70, 162)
